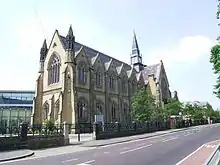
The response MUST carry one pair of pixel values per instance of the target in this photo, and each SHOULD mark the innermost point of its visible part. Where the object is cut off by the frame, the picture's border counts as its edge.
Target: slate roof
(152, 70)
(93, 53)
(148, 70)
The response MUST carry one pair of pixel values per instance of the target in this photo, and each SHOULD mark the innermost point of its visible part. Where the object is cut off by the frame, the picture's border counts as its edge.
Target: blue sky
(180, 33)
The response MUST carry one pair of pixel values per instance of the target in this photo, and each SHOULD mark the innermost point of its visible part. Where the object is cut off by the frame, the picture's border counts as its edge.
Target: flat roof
(17, 91)
(16, 105)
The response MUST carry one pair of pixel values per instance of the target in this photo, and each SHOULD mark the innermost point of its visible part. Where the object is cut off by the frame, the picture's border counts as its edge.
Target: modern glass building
(15, 107)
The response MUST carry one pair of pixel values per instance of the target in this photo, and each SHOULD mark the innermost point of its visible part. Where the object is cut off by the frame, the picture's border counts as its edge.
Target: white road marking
(187, 134)
(87, 163)
(70, 160)
(136, 149)
(106, 152)
(125, 148)
(170, 139)
(209, 146)
(181, 161)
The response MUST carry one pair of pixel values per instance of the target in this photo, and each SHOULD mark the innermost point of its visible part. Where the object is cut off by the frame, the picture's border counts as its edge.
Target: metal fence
(32, 130)
(80, 128)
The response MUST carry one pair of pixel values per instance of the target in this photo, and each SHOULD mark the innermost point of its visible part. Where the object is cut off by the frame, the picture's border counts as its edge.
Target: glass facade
(18, 99)
(15, 107)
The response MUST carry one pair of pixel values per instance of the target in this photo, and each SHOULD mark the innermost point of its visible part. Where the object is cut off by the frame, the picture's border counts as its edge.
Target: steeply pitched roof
(152, 70)
(92, 53)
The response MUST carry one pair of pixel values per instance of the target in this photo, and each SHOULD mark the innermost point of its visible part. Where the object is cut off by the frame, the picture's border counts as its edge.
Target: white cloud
(188, 49)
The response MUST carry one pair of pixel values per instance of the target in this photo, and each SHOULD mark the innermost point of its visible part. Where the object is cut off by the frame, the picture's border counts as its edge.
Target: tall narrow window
(56, 109)
(133, 86)
(82, 109)
(113, 113)
(99, 108)
(98, 79)
(124, 85)
(125, 111)
(112, 82)
(82, 74)
(45, 111)
(54, 70)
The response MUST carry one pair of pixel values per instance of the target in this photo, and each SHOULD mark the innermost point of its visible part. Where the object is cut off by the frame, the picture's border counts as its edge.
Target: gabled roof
(154, 70)
(119, 68)
(93, 59)
(92, 53)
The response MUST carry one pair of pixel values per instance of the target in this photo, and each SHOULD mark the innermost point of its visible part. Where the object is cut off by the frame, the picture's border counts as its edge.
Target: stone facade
(76, 82)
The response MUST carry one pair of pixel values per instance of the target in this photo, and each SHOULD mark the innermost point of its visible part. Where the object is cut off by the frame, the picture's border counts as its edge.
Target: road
(166, 150)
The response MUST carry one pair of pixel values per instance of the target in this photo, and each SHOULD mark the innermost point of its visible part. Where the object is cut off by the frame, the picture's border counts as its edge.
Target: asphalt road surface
(163, 150)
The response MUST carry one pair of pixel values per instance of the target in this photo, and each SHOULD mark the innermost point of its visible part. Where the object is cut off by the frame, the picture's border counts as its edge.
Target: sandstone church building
(76, 82)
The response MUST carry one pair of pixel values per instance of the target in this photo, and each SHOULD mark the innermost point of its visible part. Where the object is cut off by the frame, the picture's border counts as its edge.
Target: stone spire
(136, 57)
(135, 47)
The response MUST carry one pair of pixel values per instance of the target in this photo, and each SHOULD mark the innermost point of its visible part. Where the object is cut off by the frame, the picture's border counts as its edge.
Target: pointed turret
(136, 57)
(43, 54)
(43, 51)
(70, 39)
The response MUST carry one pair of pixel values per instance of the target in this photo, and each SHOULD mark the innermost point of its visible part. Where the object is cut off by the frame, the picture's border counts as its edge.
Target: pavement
(99, 143)
(13, 155)
(164, 149)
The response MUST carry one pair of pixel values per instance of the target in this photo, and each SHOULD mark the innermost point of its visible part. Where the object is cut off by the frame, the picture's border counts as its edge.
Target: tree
(173, 107)
(143, 105)
(215, 60)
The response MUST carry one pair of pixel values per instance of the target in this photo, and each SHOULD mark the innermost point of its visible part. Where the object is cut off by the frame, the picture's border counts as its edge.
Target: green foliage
(173, 107)
(215, 60)
(49, 124)
(197, 111)
(143, 106)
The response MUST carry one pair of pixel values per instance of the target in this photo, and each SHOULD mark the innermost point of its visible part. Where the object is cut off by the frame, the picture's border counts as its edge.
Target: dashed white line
(125, 148)
(136, 149)
(70, 160)
(170, 139)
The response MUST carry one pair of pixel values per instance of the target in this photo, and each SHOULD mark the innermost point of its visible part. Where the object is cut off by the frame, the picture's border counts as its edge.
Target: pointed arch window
(54, 70)
(82, 108)
(82, 74)
(45, 111)
(113, 111)
(126, 111)
(99, 108)
(124, 84)
(56, 109)
(133, 86)
(112, 82)
(98, 79)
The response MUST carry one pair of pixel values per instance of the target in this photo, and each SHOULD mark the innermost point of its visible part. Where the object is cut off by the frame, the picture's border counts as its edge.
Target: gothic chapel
(76, 82)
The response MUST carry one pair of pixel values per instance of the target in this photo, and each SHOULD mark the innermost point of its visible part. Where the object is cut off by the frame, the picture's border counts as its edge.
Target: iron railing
(37, 129)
